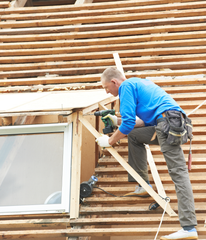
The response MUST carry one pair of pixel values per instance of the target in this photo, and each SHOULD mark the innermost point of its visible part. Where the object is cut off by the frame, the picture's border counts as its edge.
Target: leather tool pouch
(178, 128)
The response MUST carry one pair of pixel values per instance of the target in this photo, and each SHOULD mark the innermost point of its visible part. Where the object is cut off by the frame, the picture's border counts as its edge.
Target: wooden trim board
(76, 166)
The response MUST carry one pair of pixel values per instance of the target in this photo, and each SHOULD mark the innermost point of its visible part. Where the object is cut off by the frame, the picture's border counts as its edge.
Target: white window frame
(66, 171)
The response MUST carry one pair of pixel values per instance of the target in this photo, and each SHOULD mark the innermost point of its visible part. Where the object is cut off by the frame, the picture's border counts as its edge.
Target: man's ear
(114, 80)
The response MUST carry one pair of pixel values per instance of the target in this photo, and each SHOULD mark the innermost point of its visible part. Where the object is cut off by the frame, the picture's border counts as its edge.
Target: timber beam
(141, 231)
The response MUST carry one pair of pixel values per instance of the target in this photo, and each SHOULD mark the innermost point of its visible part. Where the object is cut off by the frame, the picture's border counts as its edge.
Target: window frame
(64, 206)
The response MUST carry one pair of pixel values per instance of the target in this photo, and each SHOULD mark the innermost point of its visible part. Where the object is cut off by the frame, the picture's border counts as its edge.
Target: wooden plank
(182, 89)
(59, 55)
(104, 200)
(138, 209)
(122, 39)
(76, 166)
(96, 78)
(161, 169)
(189, 89)
(97, 85)
(140, 220)
(100, 69)
(4, 4)
(88, 42)
(106, 19)
(74, 7)
(194, 178)
(101, 62)
(34, 216)
(189, 96)
(62, 72)
(196, 148)
(168, 73)
(185, 105)
(130, 170)
(52, 80)
(121, 200)
(34, 224)
(159, 160)
(110, 29)
(197, 139)
(93, 45)
(199, 159)
(141, 231)
(73, 79)
(51, 87)
(120, 190)
(64, 13)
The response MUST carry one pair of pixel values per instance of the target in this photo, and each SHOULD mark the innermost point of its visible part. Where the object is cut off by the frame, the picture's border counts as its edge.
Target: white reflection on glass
(30, 168)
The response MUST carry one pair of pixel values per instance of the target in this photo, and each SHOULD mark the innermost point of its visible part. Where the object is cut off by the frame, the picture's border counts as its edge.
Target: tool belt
(177, 126)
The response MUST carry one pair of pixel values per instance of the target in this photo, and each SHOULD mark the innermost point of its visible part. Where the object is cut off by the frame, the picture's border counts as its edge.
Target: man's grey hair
(110, 73)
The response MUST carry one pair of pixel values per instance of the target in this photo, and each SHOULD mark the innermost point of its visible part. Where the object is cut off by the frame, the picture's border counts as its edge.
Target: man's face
(111, 87)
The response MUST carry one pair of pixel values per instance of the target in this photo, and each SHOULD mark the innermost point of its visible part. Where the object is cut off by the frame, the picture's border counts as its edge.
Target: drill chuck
(103, 113)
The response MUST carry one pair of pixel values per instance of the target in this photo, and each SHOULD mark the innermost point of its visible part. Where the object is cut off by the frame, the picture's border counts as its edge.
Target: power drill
(107, 121)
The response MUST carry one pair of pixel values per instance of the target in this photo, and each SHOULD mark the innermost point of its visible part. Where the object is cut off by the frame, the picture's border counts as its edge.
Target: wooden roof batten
(42, 50)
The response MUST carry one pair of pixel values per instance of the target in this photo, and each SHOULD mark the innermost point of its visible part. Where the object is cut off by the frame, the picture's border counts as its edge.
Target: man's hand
(103, 141)
(113, 119)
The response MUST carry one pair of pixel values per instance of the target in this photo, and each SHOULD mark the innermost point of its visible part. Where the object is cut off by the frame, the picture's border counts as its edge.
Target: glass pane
(31, 169)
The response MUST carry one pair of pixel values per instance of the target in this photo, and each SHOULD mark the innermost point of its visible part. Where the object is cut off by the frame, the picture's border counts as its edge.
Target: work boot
(139, 192)
(182, 235)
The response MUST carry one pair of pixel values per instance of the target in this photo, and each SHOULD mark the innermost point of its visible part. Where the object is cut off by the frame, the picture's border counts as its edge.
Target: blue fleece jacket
(142, 98)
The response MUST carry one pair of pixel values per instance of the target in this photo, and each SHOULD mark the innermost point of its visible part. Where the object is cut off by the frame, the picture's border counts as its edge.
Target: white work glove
(103, 141)
(113, 119)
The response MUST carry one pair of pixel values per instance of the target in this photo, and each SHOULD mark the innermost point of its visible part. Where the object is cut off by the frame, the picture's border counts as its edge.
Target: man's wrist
(110, 141)
(119, 121)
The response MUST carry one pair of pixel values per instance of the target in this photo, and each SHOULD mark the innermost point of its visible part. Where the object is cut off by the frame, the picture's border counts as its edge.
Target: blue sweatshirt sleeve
(128, 100)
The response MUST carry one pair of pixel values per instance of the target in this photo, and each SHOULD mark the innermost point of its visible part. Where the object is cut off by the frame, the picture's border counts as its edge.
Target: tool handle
(190, 161)
(106, 121)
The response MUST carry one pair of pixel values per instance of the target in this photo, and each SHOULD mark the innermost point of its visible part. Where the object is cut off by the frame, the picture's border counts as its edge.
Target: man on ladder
(155, 110)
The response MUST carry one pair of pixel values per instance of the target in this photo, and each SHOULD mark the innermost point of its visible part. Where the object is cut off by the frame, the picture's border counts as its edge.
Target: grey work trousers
(176, 164)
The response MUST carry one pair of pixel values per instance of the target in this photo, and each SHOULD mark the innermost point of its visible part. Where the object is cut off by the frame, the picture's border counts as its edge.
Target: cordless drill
(107, 121)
